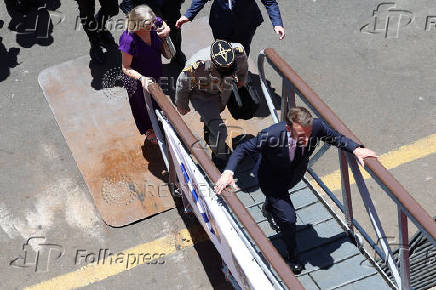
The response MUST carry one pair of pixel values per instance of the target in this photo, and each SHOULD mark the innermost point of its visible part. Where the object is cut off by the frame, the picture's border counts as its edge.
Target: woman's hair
(139, 17)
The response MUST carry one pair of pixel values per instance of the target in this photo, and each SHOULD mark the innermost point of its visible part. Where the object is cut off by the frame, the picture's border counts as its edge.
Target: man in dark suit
(285, 148)
(236, 20)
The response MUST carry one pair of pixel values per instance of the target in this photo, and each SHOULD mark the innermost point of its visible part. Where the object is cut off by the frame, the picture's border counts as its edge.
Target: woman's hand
(145, 81)
(164, 31)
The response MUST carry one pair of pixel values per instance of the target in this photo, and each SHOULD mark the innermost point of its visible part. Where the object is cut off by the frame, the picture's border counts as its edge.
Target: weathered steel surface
(125, 177)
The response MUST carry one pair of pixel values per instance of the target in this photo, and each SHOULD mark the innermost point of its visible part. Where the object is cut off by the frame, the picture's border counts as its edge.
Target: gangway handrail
(403, 197)
(192, 143)
(407, 205)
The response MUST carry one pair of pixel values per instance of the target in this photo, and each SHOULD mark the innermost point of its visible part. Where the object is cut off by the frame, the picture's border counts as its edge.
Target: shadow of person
(255, 85)
(155, 161)
(101, 73)
(33, 21)
(8, 58)
(311, 248)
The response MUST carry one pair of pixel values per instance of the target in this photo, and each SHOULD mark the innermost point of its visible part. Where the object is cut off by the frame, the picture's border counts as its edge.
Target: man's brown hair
(299, 115)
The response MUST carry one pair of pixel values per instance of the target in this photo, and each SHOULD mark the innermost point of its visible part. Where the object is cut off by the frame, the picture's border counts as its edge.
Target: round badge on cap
(222, 54)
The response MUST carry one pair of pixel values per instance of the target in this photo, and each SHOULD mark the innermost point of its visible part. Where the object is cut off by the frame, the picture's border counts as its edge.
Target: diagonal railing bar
(372, 213)
(346, 189)
(321, 151)
(404, 250)
(333, 197)
(265, 90)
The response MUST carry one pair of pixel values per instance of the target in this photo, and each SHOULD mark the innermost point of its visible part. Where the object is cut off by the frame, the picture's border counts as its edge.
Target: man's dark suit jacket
(245, 14)
(277, 174)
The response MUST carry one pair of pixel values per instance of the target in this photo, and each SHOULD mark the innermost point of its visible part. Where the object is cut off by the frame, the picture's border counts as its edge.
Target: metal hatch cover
(124, 176)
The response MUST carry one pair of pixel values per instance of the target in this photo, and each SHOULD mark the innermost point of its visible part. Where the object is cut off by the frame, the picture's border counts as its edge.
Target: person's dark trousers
(283, 212)
(92, 26)
(236, 35)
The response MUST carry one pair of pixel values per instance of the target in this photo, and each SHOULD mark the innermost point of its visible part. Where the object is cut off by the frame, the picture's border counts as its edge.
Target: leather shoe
(269, 217)
(296, 267)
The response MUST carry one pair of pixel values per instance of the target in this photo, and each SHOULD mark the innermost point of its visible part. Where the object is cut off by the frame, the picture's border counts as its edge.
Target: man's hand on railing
(362, 153)
(225, 180)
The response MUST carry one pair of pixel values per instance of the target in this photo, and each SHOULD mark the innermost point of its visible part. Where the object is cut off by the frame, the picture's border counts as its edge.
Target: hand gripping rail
(293, 85)
(268, 251)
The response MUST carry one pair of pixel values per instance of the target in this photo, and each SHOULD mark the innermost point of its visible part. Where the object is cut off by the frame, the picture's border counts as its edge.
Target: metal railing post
(404, 250)
(288, 97)
(171, 170)
(346, 190)
(263, 85)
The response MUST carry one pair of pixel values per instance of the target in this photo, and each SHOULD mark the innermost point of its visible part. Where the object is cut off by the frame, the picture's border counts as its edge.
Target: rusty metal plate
(125, 177)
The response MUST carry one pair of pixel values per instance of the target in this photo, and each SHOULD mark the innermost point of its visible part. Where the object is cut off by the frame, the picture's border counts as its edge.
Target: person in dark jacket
(285, 149)
(236, 20)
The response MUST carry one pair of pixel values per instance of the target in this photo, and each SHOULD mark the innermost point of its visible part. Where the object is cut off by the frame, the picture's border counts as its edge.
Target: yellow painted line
(92, 273)
(407, 153)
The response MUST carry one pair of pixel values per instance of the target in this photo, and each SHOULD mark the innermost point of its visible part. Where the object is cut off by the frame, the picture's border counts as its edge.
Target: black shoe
(96, 54)
(295, 265)
(269, 217)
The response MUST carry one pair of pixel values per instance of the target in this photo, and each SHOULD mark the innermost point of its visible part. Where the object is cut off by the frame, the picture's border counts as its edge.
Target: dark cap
(222, 56)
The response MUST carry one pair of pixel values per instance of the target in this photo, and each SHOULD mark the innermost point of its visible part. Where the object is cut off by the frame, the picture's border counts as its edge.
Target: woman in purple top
(141, 48)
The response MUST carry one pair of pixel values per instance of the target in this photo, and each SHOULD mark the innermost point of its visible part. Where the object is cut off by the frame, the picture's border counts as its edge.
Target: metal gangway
(337, 249)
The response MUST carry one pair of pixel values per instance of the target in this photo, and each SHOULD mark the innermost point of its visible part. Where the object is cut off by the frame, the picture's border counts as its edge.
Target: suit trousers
(283, 212)
(236, 35)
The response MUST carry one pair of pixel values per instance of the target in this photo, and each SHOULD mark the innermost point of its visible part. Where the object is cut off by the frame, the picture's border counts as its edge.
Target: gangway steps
(331, 259)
